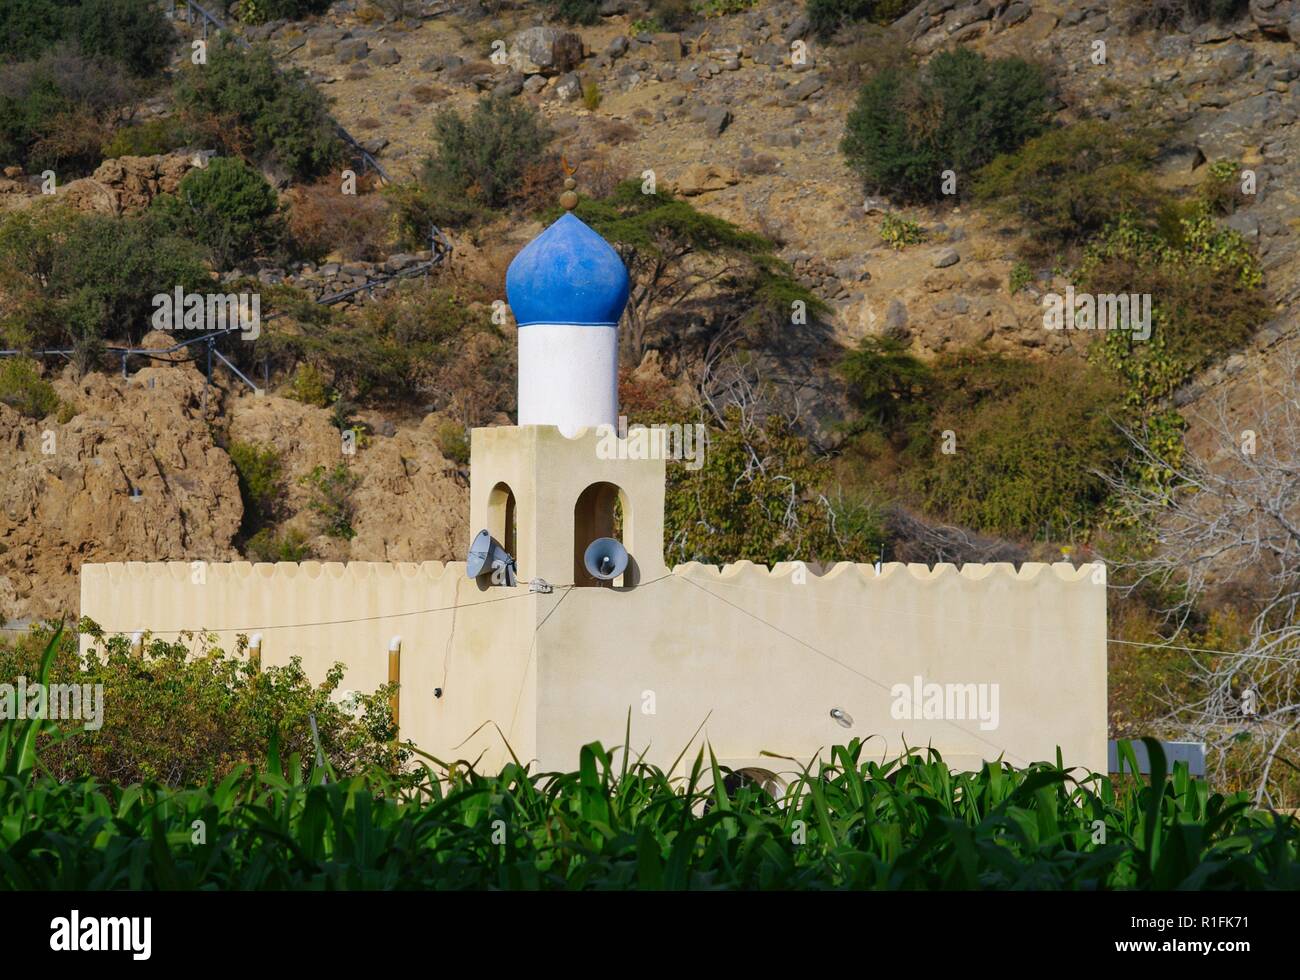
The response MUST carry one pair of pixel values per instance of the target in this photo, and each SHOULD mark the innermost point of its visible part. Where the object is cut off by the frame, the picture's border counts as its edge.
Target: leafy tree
(887, 385)
(181, 720)
(418, 342)
(249, 107)
(675, 253)
(228, 207)
(1204, 282)
(56, 111)
(1032, 442)
(79, 278)
(133, 33)
(758, 496)
(956, 113)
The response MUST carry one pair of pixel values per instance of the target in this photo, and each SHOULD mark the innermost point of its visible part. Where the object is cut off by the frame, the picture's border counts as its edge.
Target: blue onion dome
(568, 274)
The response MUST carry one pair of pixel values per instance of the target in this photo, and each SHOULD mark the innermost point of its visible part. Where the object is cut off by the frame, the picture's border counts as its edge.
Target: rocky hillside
(717, 112)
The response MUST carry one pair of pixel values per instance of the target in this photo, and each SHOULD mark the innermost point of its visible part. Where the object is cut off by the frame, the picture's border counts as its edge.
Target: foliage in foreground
(907, 824)
(170, 718)
(618, 824)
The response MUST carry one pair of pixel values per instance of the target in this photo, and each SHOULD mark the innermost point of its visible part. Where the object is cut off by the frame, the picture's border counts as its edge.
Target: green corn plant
(843, 821)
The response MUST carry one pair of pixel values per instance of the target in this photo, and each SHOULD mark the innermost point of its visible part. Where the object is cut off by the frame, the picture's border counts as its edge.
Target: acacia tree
(1225, 523)
(677, 255)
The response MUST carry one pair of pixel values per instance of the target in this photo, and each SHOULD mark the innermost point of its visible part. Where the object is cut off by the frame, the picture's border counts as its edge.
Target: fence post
(255, 652)
(395, 678)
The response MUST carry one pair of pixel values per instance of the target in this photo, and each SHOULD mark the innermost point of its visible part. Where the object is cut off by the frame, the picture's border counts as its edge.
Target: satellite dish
(487, 557)
(605, 559)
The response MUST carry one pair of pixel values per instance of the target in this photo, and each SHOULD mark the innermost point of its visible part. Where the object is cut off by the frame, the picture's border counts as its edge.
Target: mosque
(565, 626)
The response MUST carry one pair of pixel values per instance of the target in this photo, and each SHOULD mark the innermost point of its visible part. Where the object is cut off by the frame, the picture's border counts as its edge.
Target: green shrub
(416, 206)
(673, 15)
(1021, 275)
(308, 386)
(591, 95)
(261, 483)
(148, 138)
(1069, 183)
(887, 386)
(331, 498)
(728, 509)
(23, 389)
(79, 278)
(268, 545)
(453, 442)
(577, 11)
(418, 339)
(1221, 187)
(724, 8)
(180, 720)
(1032, 439)
(1175, 14)
(956, 113)
(262, 11)
(828, 16)
(57, 111)
(898, 233)
(229, 208)
(485, 155)
(1204, 281)
(240, 100)
(133, 33)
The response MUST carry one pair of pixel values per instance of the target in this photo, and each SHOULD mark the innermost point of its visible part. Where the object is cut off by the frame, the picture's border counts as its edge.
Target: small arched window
(600, 512)
(502, 521)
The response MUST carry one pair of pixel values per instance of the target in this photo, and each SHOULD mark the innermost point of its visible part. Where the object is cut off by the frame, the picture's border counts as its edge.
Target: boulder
(544, 50)
(716, 119)
(702, 178)
(945, 257)
(1272, 16)
(353, 49)
(668, 47)
(568, 88)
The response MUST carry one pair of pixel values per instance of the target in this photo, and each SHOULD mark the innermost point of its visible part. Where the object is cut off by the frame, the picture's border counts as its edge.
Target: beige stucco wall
(752, 659)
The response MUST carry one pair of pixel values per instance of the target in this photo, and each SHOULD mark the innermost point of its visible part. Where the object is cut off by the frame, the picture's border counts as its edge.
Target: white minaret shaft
(568, 376)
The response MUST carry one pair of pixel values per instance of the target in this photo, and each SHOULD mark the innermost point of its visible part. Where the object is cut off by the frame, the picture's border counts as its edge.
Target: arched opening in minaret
(602, 511)
(502, 522)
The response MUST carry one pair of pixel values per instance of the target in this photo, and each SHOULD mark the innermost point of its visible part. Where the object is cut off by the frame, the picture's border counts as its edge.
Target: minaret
(567, 289)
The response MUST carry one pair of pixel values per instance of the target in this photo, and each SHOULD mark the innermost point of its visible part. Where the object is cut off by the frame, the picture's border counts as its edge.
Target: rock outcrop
(126, 184)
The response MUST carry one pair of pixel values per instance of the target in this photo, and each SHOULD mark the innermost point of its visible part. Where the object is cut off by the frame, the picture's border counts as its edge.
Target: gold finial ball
(568, 200)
